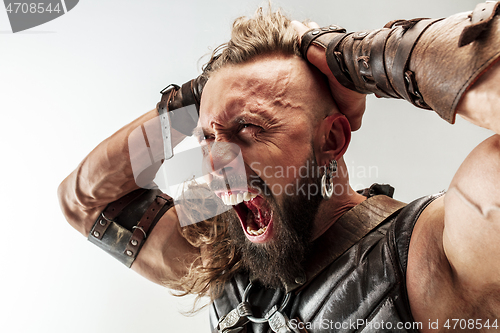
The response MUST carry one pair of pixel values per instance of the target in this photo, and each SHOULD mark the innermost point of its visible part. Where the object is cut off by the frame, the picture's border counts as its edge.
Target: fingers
(301, 28)
(313, 25)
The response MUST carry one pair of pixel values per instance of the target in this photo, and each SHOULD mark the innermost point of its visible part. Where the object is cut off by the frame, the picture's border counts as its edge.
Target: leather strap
(112, 211)
(182, 105)
(117, 231)
(313, 35)
(411, 34)
(162, 107)
(336, 63)
(480, 20)
(347, 231)
(377, 63)
(143, 228)
(166, 97)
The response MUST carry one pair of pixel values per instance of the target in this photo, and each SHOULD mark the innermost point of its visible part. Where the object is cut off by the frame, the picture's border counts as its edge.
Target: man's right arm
(107, 174)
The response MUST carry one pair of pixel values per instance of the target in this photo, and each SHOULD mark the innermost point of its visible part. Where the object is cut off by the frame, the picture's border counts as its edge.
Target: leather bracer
(125, 224)
(430, 63)
(183, 104)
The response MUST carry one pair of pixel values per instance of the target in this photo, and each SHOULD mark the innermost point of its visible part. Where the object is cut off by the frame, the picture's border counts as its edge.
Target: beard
(281, 260)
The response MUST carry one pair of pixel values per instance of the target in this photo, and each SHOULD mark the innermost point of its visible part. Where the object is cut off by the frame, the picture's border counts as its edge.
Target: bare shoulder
(454, 257)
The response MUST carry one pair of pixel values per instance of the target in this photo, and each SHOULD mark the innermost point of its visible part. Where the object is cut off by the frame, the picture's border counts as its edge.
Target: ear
(333, 137)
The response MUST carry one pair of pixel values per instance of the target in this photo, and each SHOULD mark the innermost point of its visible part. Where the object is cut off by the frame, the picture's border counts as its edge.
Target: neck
(331, 210)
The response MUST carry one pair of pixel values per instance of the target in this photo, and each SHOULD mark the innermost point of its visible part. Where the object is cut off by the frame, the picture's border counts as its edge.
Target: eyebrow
(198, 132)
(259, 114)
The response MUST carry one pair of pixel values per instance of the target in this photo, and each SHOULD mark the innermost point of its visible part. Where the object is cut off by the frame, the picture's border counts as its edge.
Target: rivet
(333, 27)
(315, 32)
(133, 242)
(407, 79)
(96, 234)
(362, 34)
(103, 222)
(129, 253)
(300, 279)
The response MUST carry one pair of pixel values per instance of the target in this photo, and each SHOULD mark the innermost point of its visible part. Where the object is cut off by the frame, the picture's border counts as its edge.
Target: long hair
(265, 33)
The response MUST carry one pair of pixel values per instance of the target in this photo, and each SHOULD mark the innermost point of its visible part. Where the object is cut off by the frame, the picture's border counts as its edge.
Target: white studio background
(70, 83)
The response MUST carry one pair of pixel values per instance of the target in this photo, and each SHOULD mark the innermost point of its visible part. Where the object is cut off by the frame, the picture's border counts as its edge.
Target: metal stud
(133, 242)
(129, 253)
(315, 32)
(300, 279)
(102, 222)
(362, 34)
(96, 234)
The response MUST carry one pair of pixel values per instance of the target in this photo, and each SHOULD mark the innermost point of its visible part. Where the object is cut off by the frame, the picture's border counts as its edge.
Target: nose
(224, 160)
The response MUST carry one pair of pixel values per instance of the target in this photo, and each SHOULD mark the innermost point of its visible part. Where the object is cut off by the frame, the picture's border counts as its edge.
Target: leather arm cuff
(430, 63)
(182, 104)
(123, 227)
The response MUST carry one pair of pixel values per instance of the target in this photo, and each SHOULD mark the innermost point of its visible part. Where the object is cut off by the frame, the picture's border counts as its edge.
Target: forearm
(107, 173)
(432, 63)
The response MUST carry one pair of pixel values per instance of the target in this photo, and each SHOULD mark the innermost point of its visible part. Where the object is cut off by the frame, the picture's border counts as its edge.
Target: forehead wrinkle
(249, 89)
(278, 86)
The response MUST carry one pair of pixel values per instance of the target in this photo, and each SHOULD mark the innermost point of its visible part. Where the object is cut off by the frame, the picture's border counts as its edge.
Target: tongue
(260, 210)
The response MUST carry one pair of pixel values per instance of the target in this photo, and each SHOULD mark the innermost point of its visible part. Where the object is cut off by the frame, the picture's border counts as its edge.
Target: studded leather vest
(360, 289)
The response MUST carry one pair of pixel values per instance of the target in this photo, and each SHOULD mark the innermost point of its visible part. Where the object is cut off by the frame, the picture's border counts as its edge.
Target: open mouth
(254, 213)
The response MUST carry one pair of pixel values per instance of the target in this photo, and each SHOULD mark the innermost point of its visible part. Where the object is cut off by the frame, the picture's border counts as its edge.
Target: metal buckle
(167, 88)
(253, 319)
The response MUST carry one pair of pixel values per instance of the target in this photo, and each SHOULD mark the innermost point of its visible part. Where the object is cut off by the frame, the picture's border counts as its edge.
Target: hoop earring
(327, 180)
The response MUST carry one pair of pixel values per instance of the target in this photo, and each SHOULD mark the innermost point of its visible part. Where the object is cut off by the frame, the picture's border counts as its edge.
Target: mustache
(229, 182)
(220, 184)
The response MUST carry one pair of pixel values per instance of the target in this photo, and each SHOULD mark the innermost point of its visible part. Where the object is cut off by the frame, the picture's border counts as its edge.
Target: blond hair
(264, 33)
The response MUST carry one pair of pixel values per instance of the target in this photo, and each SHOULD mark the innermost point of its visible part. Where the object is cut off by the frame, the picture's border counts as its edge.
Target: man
(325, 258)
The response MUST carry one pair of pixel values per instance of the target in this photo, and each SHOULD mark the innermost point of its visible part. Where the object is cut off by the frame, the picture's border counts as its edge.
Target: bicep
(471, 236)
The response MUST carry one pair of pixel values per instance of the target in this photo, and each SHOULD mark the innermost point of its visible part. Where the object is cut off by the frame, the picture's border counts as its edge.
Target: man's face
(262, 109)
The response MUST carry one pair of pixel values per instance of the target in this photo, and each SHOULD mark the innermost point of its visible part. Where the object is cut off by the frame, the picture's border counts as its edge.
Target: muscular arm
(106, 175)
(471, 235)
(454, 262)
(472, 206)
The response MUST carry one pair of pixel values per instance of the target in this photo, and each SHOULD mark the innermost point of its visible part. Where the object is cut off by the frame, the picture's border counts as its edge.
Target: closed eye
(249, 130)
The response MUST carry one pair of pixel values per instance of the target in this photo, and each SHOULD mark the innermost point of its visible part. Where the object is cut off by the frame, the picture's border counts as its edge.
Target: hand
(350, 103)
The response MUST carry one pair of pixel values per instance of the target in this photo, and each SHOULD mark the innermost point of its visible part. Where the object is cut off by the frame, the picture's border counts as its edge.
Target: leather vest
(362, 289)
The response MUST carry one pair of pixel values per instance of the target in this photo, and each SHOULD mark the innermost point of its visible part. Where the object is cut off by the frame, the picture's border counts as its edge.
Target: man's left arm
(471, 236)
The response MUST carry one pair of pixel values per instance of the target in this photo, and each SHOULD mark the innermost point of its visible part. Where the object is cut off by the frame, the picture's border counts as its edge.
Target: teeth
(256, 232)
(234, 199)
